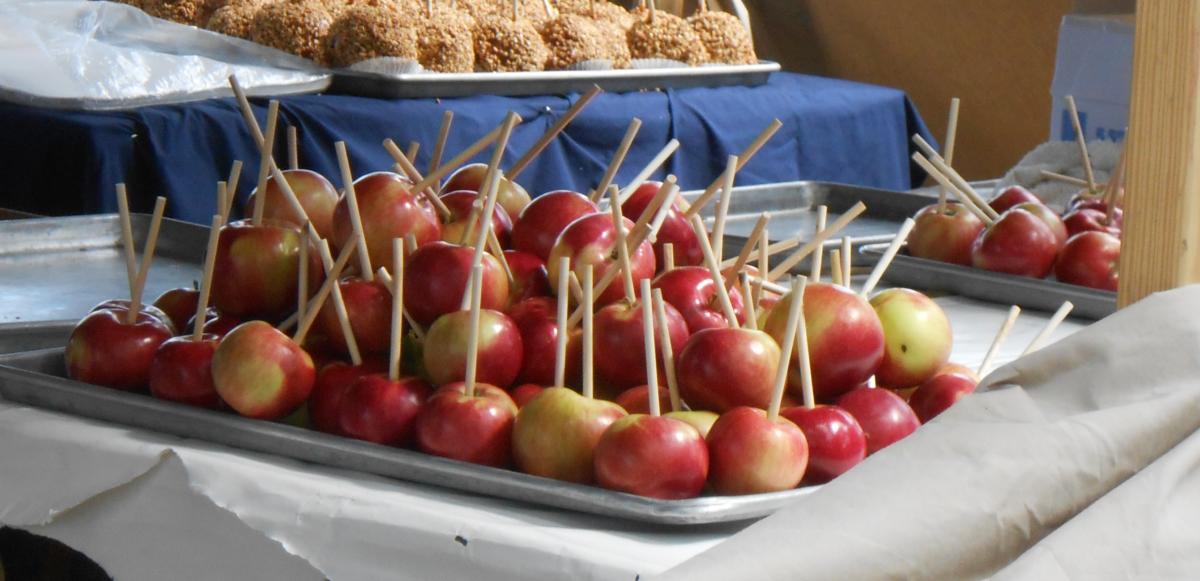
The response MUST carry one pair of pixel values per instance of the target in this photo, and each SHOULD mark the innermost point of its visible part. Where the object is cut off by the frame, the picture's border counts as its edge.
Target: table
(66, 162)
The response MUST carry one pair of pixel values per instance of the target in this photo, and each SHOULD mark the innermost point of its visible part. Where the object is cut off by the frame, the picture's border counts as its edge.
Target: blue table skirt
(66, 162)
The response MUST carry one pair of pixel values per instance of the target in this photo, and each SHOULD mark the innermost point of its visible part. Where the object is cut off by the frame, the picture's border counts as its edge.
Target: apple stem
(816, 243)
(586, 306)
(472, 150)
(397, 286)
(718, 232)
(648, 342)
(1110, 190)
(264, 168)
(751, 312)
(1051, 325)
(439, 146)
(360, 238)
(473, 337)
(649, 169)
(498, 252)
(743, 157)
(127, 237)
(714, 270)
(560, 338)
(886, 260)
(491, 191)
(339, 307)
(959, 183)
(382, 274)
(946, 183)
(331, 280)
(668, 257)
(406, 165)
(1081, 140)
(1001, 336)
(210, 260)
(847, 262)
(615, 163)
(743, 257)
(948, 148)
(293, 147)
(540, 145)
(302, 278)
(623, 252)
(789, 342)
(139, 285)
(815, 272)
(668, 353)
(235, 175)
(835, 267)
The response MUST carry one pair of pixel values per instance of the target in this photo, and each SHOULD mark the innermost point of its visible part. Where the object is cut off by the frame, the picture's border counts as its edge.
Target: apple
(1052, 219)
(182, 371)
(256, 270)
(315, 194)
(179, 304)
(389, 210)
(1086, 200)
(917, 337)
(653, 456)
(592, 240)
(635, 399)
(437, 276)
(1090, 259)
(122, 306)
(105, 350)
(460, 204)
(946, 236)
(546, 217)
(369, 308)
(476, 429)
(620, 351)
(511, 196)
(501, 349)
(521, 394)
(530, 276)
(324, 403)
(557, 431)
(836, 443)
(691, 290)
(261, 373)
(940, 392)
(722, 368)
(675, 230)
(1013, 196)
(750, 453)
(1088, 220)
(379, 409)
(217, 324)
(885, 417)
(535, 317)
(1018, 243)
(700, 419)
(845, 339)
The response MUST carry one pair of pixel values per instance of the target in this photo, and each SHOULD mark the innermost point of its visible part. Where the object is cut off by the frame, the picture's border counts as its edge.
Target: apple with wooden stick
(945, 233)
(953, 382)
(179, 304)
(316, 195)
(530, 277)
(591, 240)
(1090, 259)
(464, 214)
(389, 209)
(546, 217)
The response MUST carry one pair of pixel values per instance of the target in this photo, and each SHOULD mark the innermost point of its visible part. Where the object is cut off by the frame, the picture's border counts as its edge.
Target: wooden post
(1161, 242)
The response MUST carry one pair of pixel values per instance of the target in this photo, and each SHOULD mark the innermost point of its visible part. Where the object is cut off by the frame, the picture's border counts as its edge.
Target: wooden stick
(803, 355)
(247, 112)
(651, 352)
(743, 158)
(235, 174)
(222, 199)
(618, 158)
(718, 232)
(714, 270)
(553, 132)
(210, 260)
(264, 168)
(360, 237)
(468, 233)
(668, 257)
(439, 147)
(835, 267)
(396, 351)
(289, 196)
(1051, 325)
(817, 242)
(668, 354)
(339, 304)
(764, 265)
(886, 260)
(410, 170)
(1066, 179)
(127, 237)
(331, 279)
(436, 175)
(473, 337)
(414, 147)
(948, 148)
(747, 294)
(650, 168)
(139, 285)
(293, 146)
(945, 182)
(752, 241)
(847, 263)
(789, 343)
(623, 253)
(586, 305)
(660, 204)
(302, 279)
(560, 339)
(385, 278)
(492, 188)
(576, 293)
(815, 272)
(954, 176)
(1081, 140)
(1110, 190)
(410, 243)
(1001, 335)
(496, 250)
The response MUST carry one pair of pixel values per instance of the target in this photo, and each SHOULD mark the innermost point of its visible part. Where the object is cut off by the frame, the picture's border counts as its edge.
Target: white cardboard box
(1094, 63)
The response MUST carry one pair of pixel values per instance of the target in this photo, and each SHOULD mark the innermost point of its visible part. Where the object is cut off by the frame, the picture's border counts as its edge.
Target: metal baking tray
(429, 85)
(18, 337)
(1009, 289)
(59, 268)
(37, 378)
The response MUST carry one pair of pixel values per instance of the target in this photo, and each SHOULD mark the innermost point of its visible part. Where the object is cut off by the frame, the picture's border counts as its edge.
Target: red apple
(381, 410)
(723, 368)
(218, 324)
(1018, 243)
(620, 352)
(261, 373)
(652, 456)
(316, 195)
(179, 304)
(1090, 259)
(256, 270)
(701, 420)
(845, 339)
(836, 442)
(556, 434)
(546, 217)
(122, 306)
(1013, 196)
(501, 350)
(530, 276)
(1052, 219)
(535, 317)
(917, 337)
(1085, 200)
(389, 210)
(940, 392)
(474, 429)
(691, 290)
(511, 196)
(369, 308)
(592, 240)
(749, 453)
(635, 400)
(885, 417)
(521, 394)
(182, 371)
(324, 403)
(675, 230)
(1088, 220)
(460, 203)
(437, 276)
(946, 236)
(104, 350)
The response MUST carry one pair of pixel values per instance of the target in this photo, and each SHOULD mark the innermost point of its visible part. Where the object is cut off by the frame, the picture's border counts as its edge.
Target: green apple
(557, 431)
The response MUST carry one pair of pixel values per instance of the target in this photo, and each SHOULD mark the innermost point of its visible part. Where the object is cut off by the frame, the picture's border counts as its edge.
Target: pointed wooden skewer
(523, 163)
(1066, 179)
(382, 275)
(293, 147)
(210, 260)
(473, 337)
(649, 169)
(714, 270)
(752, 240)
(718, 232)
(660, 204)
(339, 305)
(618, 158)
(360, 238)
(139, 285)
(410, 170)
(314, 306)
(936, 160)
(247, 112)
(835, 267)
(410, 154)
(441, 172)
(560, 320)
(650, 351)
(815, 272)
(948, 148)
(789, 343)
(127, 237)
(492, 189)
(439, 147)
(497, 251)
(222, 199)
(1115, 179)
(816, 242)
(1081, 140)
(1001, 336)
(668, 355)
(396, 352)
(623, 253)
(588, 365)
(1048, 330)
(576, 293)
(747, 293)
(743, 158)
(264, 168)
(886, 260)
(302, 280)
(235, 174)
(764, 265)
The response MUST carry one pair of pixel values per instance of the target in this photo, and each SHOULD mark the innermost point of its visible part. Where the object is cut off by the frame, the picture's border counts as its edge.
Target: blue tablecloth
(65, 162)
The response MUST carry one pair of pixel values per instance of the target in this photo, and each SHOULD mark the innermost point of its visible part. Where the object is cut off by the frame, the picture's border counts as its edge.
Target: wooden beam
(1161, 241)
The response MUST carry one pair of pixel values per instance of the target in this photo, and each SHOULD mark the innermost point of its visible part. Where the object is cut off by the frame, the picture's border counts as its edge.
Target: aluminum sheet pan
(429, 85)
(59, 268)
(1008, 289)
(17, 337)
(37, 378)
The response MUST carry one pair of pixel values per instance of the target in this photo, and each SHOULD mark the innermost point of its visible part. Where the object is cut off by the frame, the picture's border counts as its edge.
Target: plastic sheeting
(101, 55)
